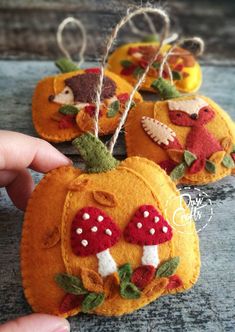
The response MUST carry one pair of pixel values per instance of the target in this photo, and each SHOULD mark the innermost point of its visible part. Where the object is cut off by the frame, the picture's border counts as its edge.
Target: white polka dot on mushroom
(139, 225)
(156, 219)
(164, 229)
(85, 216)
(79, 230)
(94, 229)
(108, 232)
(84, 243)
(152, 231)
(100, 218)
(146, 214)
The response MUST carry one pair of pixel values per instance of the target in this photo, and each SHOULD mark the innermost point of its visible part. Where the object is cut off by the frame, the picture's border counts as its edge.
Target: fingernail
(65, 328)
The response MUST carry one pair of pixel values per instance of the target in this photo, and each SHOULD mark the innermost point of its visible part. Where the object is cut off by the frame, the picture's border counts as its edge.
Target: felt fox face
(190, 137)
(130, 60)
(101, 247)
(63, 106)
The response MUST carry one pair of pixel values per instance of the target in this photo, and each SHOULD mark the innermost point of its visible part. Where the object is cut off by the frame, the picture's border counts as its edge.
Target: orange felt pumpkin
(63, 105)
(130, 60)
(118, 245)
(190, 137)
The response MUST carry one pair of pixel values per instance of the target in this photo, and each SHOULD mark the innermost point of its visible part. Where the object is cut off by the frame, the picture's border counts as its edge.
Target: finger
(19, 187)
(18, 151)
(36, 323)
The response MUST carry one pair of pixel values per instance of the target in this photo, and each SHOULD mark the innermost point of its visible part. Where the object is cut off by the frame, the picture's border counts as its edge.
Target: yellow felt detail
(187, 84)
(45, 114)
(135, 182)
(38, 264)
(139, 144)
(92, 281)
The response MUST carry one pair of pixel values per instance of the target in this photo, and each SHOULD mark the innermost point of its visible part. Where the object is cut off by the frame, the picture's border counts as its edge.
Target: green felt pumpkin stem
(95, 154)
(165, 89)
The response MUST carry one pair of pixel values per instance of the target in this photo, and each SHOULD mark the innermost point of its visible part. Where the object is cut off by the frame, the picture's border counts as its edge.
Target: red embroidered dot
(174, 282)
(93, 70)
(123, 97)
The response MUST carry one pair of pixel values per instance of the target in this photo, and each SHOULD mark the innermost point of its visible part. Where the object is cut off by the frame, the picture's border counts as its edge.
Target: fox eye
(66, 91)
(206, 110)
(178, 114)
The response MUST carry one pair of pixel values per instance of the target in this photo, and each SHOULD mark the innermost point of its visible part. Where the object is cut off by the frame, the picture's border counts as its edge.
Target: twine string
(59, 37)
(165, 31)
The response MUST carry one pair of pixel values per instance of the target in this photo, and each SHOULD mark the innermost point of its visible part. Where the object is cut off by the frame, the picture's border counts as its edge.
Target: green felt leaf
(66, 65)
(113, 109)
(156, 65)
(228, 161)
(129, 290)
(151, 38)
(178, 172)
(125, 272)
(168, 268)
(165, 89)
(176, 75)
(138, 72)
(70, 284)
(189, 157)
(68, 110)
(210, 166)
(126, 63)
(92, 301)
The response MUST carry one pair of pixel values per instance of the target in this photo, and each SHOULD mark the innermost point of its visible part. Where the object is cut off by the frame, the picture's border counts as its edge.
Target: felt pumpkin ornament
(102, 240)
(189, 136)
(63, 105)
(130, 60)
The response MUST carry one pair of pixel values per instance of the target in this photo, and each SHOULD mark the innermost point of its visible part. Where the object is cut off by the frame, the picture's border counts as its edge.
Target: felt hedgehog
(190, 137)
(63, 106)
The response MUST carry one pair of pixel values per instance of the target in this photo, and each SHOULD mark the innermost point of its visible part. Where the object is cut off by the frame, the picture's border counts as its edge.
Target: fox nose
(194, 116)
(51, 97)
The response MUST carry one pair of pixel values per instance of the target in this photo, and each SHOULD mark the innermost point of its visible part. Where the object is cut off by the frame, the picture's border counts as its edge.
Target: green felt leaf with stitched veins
(189, 157)
(176, 75)
(129, 291)
(66, 65)
(92, 301)
(210, 166)
(68, 110)
(70, 284)
(113, 109)
(168, 268)
(138, 72)
(156, 65)
(125, 272)
(126, 63)
(228, 162)
(178, 172)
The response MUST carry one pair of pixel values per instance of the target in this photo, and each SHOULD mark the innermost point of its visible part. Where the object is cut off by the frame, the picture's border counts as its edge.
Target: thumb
(36, 323)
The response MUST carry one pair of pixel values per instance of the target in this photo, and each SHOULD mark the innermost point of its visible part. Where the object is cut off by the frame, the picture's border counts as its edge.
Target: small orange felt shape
(130, 60)
(63, 105)
(190, 137)
(132, 183)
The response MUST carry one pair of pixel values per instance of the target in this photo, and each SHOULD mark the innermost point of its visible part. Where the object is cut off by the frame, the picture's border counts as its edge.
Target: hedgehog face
(64, 97)
(183, 118)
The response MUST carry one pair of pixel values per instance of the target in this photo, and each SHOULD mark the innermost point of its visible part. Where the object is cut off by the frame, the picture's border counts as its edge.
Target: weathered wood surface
(209, 306)
(28, 27)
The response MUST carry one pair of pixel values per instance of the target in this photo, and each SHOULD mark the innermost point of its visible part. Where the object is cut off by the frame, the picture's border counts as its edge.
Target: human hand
(36, 323)
(19, 152)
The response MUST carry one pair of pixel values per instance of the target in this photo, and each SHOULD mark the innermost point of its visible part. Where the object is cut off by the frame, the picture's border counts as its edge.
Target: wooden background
(27, 50)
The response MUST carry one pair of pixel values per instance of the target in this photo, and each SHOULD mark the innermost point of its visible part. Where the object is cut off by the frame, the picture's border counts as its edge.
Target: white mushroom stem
(107, 264)
(150, 256)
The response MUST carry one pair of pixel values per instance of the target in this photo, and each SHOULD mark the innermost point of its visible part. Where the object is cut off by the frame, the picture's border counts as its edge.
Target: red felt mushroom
(93, 232)
(148, 228)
